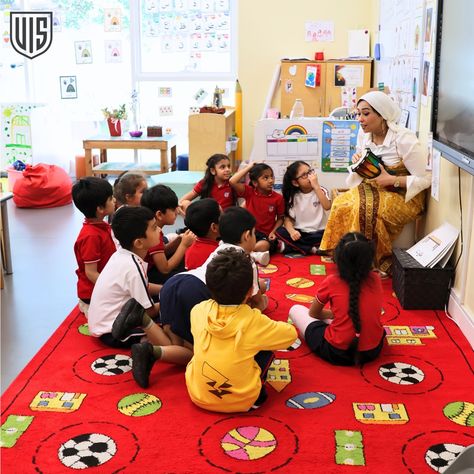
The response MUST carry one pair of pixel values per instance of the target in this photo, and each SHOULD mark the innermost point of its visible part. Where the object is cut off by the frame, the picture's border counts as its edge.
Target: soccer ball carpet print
(76, 407)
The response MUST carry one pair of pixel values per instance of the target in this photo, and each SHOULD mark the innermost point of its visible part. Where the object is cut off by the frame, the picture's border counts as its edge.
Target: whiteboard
(401, 47)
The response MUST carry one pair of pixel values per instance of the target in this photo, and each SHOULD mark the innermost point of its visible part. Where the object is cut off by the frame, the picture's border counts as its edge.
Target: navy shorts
(178, 297)
(314, 337)
(273, 243)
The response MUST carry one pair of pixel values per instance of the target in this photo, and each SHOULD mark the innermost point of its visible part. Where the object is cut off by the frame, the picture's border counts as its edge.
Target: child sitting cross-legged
(232, 341)
(185, 290)
(350, 332)
(306, 202)
(202, 218)
(121, 309)
(94, 245)
(263, 202)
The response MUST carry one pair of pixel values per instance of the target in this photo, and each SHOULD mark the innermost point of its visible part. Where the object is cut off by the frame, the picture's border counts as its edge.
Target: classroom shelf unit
(209, 134)
(319, 101)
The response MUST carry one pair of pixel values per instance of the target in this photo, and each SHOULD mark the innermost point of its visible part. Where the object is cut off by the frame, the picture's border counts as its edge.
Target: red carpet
(412, 410)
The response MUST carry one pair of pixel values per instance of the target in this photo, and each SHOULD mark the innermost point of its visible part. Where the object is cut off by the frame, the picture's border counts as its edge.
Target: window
(185, 39)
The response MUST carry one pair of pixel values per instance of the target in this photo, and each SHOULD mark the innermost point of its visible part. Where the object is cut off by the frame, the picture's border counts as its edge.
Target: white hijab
(385, 106)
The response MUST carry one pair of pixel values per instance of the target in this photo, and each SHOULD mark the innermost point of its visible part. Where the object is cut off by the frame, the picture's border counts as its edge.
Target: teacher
(380, 207)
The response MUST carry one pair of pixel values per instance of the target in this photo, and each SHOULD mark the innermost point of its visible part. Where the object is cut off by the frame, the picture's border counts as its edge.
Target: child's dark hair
(159, 198)
(127, 184)
(201, 214)
(288, 189)
(229, 276)
(209, 178)
(354, 255)
(131, 223)
(257, 171)
(89, 193)
(234, 221)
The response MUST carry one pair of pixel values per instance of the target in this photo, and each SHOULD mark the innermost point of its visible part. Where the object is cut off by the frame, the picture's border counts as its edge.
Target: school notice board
(280, 142)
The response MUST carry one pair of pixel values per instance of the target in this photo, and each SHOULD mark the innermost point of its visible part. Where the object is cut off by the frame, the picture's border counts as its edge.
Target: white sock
(299, 314)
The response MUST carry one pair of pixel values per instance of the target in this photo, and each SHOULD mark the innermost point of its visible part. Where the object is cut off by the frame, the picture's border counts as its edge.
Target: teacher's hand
(384, 179)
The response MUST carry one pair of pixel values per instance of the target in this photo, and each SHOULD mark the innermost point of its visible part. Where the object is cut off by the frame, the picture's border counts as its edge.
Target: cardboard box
(419, 287)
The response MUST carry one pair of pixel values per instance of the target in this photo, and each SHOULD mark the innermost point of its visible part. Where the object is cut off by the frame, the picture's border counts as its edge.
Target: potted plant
(113, 119)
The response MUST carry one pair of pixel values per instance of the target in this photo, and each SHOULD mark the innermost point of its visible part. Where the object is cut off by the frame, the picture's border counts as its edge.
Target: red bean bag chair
(42, 185)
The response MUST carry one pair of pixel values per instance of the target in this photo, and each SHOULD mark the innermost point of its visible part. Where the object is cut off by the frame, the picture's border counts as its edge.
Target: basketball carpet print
(76, 407)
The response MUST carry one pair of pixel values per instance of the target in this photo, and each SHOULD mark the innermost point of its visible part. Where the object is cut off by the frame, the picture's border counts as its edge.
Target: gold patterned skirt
(374, 211)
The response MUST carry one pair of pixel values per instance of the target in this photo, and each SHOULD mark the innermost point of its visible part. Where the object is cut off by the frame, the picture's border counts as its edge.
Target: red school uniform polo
(340, 332)
(197, 254)
(158, 248)
(94, 244)
(222, 193)
(265, 208)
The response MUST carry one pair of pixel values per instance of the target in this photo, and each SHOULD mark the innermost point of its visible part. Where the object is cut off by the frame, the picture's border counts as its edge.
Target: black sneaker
(323, 253)
(130, 317)
(262, 398)
(142, 362)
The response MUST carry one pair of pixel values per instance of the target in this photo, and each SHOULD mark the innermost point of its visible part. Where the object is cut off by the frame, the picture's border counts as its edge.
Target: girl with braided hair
(350, 332)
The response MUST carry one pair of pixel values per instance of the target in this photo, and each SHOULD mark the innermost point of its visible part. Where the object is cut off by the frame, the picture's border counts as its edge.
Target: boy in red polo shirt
(202, 218)
(266, 205)
(163, 202)
(94, 244)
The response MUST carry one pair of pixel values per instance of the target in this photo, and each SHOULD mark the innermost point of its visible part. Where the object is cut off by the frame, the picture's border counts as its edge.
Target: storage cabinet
(209, 134)
(322, 99)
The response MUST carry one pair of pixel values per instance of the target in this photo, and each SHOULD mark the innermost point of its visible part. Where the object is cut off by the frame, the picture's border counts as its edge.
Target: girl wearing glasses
(305, 205)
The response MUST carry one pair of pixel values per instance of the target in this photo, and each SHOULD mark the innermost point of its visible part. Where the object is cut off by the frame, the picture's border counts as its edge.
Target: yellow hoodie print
(223, 376)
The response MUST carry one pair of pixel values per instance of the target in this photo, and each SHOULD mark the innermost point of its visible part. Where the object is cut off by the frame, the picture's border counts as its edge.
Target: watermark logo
(31, 33)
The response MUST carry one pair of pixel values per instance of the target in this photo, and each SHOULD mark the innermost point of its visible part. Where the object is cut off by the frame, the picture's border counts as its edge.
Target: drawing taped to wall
(83, 51)
(68, 86)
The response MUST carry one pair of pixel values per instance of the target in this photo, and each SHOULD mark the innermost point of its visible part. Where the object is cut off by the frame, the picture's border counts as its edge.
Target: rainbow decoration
(296, 129)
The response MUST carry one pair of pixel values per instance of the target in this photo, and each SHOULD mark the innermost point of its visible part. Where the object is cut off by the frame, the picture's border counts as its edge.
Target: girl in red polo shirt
(350, 332)
(266, 205)
(215, 183)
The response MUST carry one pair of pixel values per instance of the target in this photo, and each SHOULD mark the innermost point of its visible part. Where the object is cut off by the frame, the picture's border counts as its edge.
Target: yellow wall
(270, 30)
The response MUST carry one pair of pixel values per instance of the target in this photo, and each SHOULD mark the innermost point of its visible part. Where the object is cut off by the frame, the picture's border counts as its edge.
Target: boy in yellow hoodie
(232, 341)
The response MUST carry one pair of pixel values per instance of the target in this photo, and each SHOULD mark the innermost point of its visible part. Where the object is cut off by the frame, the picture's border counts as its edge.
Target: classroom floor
(41, 292)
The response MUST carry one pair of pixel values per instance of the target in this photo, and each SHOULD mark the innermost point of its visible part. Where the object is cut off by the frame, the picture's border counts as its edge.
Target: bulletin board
(402, 47)
(280, 142)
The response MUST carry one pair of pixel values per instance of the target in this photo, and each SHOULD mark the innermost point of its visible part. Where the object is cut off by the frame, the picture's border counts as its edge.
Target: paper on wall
(435, 164)
(322, 31)
(351, 76)
(358, 43)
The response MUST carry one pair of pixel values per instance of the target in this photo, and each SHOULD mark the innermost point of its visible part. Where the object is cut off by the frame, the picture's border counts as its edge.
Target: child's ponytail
(208, 180)
(354, 256)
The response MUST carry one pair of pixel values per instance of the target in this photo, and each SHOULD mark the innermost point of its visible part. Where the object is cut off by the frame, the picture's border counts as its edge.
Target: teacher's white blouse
(399, 145)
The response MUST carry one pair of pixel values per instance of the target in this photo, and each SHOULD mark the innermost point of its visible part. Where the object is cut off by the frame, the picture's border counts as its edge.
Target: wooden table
(5, 233)
(105, 142)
